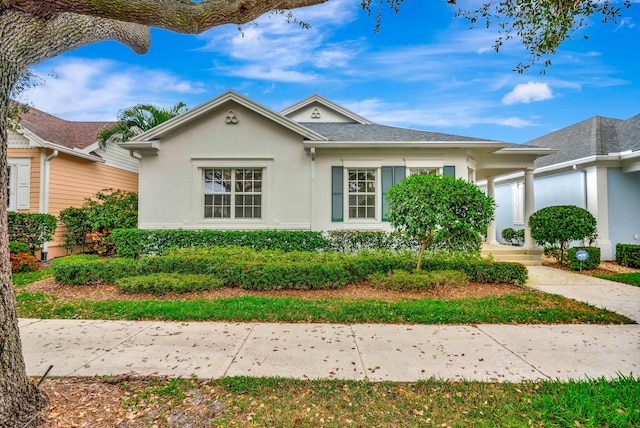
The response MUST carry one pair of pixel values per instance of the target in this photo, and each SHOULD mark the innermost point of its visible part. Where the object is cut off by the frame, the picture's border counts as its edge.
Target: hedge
(137, 242)
(163, 283)
(31, 229)
(272, 269)
(628, 255)
(591, 263)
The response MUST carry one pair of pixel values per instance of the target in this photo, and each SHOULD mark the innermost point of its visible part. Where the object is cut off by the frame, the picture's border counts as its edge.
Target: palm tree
(135, 120)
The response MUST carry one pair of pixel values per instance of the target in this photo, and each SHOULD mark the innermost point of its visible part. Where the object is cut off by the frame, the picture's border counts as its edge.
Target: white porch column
(529, 206)
(491, 231)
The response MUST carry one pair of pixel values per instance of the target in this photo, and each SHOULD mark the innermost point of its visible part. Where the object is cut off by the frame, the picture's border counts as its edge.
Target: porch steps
(509, 253)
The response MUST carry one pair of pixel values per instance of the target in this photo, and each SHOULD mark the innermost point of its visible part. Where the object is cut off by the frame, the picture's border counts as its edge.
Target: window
(424, 171)
(517, 190)
(361, 186)
(233, 193)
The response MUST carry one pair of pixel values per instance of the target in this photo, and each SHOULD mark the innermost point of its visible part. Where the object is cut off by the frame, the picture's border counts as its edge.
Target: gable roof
(375, 132)
(592, 137)
(72, 135)
(204, 108)
(315, 98)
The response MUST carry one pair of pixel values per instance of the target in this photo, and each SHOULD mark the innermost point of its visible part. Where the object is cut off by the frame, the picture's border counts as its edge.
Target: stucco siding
(624, 206)
(327, 158)
(172, 192)
(504, 209)
(561, 189)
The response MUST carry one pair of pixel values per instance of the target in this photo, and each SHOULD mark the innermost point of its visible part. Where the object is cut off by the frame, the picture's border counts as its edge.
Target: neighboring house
(597, 167)
(232, 163)
(55, 164)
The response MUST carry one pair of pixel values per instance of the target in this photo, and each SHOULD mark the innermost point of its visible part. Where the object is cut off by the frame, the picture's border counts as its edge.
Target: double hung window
(361, 186)
(233, 193)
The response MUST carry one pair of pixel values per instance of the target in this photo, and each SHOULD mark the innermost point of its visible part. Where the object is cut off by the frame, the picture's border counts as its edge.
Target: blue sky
(424, 69)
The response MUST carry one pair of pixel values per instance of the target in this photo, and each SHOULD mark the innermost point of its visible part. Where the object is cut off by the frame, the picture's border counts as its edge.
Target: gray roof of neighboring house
(595, 136)
(374, 132)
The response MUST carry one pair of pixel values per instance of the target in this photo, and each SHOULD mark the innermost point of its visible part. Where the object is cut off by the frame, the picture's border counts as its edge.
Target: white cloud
(96, 89)
(528, 92)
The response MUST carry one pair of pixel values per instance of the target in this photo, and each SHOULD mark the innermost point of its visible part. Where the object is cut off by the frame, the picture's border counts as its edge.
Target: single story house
(596, 167)
(231, 163)
(55, 164)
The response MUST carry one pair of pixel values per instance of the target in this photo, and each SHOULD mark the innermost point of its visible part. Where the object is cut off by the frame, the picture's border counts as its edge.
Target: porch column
(491, 231)
(529, 206)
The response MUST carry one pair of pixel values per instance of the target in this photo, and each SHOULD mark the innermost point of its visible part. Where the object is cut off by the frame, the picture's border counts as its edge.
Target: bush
(419, 280)
(90, 269)
(163, 283)
(76, 227)
(112, 209)
(31, 229)
(512, 236)
(555, 227)
(591, 263)
(477, 269)
(628, 255)
(353, 241)
(23, 262)
(19, 247)
(136, 242)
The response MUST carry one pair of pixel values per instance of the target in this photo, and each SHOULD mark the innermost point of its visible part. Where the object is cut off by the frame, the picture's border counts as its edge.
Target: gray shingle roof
(595, 136)
(375, 132)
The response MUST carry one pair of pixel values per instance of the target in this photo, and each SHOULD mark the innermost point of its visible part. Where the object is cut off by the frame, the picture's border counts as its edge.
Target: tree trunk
(20, 399)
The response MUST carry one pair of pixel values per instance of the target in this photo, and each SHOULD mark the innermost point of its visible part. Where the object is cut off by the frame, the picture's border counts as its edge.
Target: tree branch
(182, 16)
(41, 38)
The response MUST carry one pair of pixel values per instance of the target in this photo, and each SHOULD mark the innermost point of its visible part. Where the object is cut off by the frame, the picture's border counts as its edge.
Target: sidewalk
(360, 351)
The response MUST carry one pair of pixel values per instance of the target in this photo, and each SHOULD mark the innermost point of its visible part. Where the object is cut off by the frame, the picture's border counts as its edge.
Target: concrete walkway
(361, 351)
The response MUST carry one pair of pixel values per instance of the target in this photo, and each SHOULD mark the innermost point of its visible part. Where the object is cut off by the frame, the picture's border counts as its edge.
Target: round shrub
(555, 227)
(163, 283)
(23, 262)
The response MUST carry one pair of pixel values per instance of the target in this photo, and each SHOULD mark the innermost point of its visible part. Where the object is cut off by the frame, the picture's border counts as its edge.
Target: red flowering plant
(23, 262)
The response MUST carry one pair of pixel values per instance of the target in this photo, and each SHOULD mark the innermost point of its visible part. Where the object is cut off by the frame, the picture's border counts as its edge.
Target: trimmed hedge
(420, 280)
(163, 283)
(137, 242)
(274, 269)
(591, 263)
(628, 255)
(354, 241)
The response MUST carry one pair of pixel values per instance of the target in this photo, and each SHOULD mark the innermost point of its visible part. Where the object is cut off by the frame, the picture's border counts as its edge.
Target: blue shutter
(391, 175)
(337, 188)
(449, 171)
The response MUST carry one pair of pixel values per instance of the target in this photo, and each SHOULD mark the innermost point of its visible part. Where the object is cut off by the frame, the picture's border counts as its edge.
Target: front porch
(511, 253)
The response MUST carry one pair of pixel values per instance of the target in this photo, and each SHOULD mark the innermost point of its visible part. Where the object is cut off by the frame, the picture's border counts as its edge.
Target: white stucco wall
(372, 158)
(171, 185)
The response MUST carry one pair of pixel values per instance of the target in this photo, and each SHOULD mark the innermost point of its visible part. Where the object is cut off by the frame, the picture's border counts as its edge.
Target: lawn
(254, 402)
(627, 278)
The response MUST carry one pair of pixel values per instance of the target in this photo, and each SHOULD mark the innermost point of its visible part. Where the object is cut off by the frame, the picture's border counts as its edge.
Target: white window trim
(13, 186)
(378, 195)
(197, 205)
(517, 203)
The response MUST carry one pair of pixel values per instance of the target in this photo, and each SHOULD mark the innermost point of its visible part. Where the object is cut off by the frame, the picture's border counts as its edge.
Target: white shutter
(23, 181)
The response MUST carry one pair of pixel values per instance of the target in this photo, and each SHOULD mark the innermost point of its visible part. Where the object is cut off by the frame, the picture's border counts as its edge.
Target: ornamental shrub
(83, 269)
(628, 255)
(555, 227)
(23, 262)
(591, 263)
(19, 247)
(160, 284)
(418, 280)
(353, 241)
(441, 212)
(76, 227)
(136, 242)
(512, 236)
(32, 229)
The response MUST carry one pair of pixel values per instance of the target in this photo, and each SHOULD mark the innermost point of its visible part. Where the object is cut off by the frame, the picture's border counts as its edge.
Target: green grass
(26, 278)
(528, 308)
(627, 278)
(245, 401)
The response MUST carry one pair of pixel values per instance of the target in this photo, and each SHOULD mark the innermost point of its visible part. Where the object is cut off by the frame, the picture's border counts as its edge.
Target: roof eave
(36, 141)
(404, 144)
